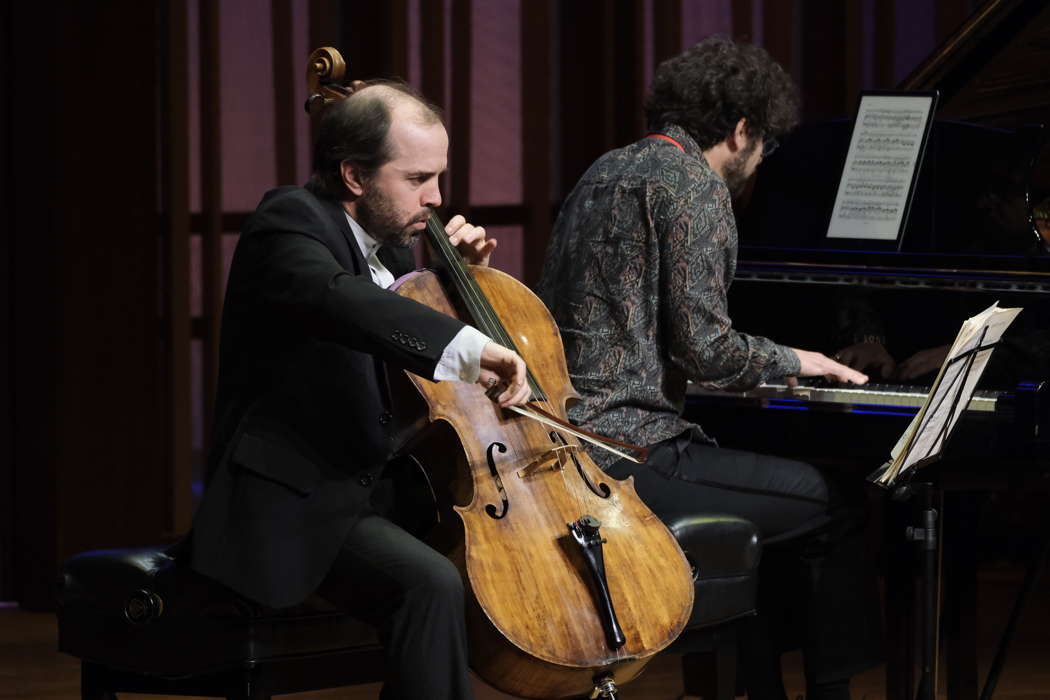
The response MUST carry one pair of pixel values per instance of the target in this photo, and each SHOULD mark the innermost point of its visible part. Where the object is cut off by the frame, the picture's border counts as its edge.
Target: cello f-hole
(602, 490)
(491, 509)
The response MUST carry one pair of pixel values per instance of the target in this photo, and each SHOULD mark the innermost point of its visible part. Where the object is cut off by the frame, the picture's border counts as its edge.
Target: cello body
(535, 620)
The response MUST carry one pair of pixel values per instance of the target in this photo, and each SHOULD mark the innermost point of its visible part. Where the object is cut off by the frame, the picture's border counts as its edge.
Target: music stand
(897, 475)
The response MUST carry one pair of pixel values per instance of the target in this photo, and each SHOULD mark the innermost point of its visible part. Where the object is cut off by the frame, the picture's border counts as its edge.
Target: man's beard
(736, 174)
(379, 218)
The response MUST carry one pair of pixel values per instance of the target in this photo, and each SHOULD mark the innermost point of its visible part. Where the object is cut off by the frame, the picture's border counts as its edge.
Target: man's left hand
(923, 362)
(867, 356)
(470, 240)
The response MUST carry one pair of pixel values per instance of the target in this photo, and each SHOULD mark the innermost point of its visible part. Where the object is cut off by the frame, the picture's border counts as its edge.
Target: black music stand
(925, 534)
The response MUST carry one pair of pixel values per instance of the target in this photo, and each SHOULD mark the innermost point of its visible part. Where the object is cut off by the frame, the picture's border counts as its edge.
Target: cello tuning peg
(314, 103)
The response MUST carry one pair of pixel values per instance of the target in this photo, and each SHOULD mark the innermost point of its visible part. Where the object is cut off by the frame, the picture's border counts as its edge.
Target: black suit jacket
(301, 409)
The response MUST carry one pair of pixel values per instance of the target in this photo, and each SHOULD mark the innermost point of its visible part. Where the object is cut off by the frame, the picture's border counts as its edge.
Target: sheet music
(876, 180)
(951, 390)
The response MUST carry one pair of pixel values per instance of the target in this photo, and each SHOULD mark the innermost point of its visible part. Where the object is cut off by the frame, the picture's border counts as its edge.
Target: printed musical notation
(883, 155)
(894, 120)
(881, 144)
(867, 212)
(865, 188)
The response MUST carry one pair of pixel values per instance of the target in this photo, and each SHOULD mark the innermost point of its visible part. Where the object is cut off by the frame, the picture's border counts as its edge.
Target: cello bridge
(549, 461)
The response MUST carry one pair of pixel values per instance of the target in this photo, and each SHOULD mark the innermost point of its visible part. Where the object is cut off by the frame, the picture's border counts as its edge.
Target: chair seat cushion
(724, 552)
(137, 610)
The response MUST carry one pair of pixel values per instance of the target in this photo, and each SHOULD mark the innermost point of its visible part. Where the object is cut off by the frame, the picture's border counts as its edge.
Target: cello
(573, 583)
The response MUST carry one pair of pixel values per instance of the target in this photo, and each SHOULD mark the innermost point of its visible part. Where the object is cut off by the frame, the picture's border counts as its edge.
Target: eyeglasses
(768, 146)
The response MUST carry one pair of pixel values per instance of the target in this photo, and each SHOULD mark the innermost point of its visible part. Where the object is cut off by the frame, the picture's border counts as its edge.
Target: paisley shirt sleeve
(697, 261)
(636, 275)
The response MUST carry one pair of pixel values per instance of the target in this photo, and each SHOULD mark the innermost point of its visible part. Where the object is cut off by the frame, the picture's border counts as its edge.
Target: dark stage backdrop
(137, 135)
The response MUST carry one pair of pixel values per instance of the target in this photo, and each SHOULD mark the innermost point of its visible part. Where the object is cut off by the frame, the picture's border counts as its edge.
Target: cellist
(301, 433)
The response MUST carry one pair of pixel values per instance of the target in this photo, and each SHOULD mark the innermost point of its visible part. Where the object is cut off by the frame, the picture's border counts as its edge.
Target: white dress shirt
(461, 358)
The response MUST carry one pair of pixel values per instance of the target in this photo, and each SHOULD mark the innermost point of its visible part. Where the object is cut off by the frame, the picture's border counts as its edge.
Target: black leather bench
(142, 624)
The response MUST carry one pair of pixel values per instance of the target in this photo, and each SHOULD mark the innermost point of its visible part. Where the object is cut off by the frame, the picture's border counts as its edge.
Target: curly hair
(710, 87)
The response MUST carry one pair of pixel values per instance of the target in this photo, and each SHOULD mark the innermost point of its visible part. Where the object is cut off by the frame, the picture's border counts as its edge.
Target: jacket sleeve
(284, 273)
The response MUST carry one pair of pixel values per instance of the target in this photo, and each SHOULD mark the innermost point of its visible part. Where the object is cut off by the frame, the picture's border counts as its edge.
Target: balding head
(355, 130)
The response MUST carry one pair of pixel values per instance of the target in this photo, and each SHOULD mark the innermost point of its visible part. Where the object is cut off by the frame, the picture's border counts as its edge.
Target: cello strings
(478, 305)
(525, 411)
(486, 317)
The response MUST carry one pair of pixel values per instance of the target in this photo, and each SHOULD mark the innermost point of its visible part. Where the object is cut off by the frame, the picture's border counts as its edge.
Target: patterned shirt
(636, 275)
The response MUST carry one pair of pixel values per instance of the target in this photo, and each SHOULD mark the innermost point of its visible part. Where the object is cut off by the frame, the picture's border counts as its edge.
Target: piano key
(863, 395)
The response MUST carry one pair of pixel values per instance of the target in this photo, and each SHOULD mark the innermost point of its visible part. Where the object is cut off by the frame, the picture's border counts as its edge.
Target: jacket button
(366, 479)
(384, 418)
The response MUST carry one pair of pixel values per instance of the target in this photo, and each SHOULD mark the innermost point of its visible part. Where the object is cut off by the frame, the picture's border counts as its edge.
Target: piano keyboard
(864, 395)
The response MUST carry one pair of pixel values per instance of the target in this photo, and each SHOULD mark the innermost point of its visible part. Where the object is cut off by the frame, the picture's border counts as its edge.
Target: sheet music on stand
(927, 434)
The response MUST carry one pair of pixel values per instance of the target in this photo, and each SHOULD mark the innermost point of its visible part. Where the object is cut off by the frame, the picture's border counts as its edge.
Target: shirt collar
(679, 134)
(365, 243)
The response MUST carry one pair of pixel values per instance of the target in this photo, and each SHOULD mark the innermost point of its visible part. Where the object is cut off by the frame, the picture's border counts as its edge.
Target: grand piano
(977, 234)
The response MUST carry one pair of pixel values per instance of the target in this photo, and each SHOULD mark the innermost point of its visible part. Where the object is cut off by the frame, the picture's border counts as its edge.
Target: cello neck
(477, 305)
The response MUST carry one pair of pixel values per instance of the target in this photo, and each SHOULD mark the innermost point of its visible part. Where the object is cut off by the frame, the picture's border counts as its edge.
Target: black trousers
(818, 587)
(414, 597)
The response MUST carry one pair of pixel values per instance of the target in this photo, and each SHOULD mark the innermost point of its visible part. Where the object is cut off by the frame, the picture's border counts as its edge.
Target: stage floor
(31, 669)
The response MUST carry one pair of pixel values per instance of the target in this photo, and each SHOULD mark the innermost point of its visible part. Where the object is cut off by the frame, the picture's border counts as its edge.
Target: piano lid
(985, 179)
(972, 206)
(993, 69)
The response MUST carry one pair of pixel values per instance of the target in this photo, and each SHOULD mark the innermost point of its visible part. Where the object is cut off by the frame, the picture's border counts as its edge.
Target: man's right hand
(815, 364)
(504, 368)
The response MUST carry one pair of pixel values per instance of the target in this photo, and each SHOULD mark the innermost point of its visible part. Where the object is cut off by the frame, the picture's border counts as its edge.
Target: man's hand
(867, 356)
(503, 368)
(922, 362)
(470, 240)
(815, 364)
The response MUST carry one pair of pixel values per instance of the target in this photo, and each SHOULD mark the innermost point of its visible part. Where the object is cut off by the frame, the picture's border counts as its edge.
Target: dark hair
(708, 88)
(355, 130)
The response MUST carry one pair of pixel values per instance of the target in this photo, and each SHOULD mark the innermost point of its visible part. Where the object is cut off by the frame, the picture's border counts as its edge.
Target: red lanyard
(668, 139)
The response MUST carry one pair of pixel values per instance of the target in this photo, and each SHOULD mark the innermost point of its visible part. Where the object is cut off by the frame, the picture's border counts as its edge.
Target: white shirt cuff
(461, 359)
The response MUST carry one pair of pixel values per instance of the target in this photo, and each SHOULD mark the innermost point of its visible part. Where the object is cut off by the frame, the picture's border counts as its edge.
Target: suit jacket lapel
(338, 216)
(400, 261)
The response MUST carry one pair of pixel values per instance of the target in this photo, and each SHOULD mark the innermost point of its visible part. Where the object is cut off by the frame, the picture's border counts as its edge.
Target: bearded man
(303, 412)
(636, 275)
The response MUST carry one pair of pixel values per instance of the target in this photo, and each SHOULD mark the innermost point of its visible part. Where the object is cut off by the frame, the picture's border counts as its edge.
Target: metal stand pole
(926, 538)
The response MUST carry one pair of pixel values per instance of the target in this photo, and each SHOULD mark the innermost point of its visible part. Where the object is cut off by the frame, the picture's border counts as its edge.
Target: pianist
(636, 275)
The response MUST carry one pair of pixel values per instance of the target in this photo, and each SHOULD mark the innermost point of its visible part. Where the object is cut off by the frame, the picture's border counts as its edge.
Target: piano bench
(724, 552)
(141, 624)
